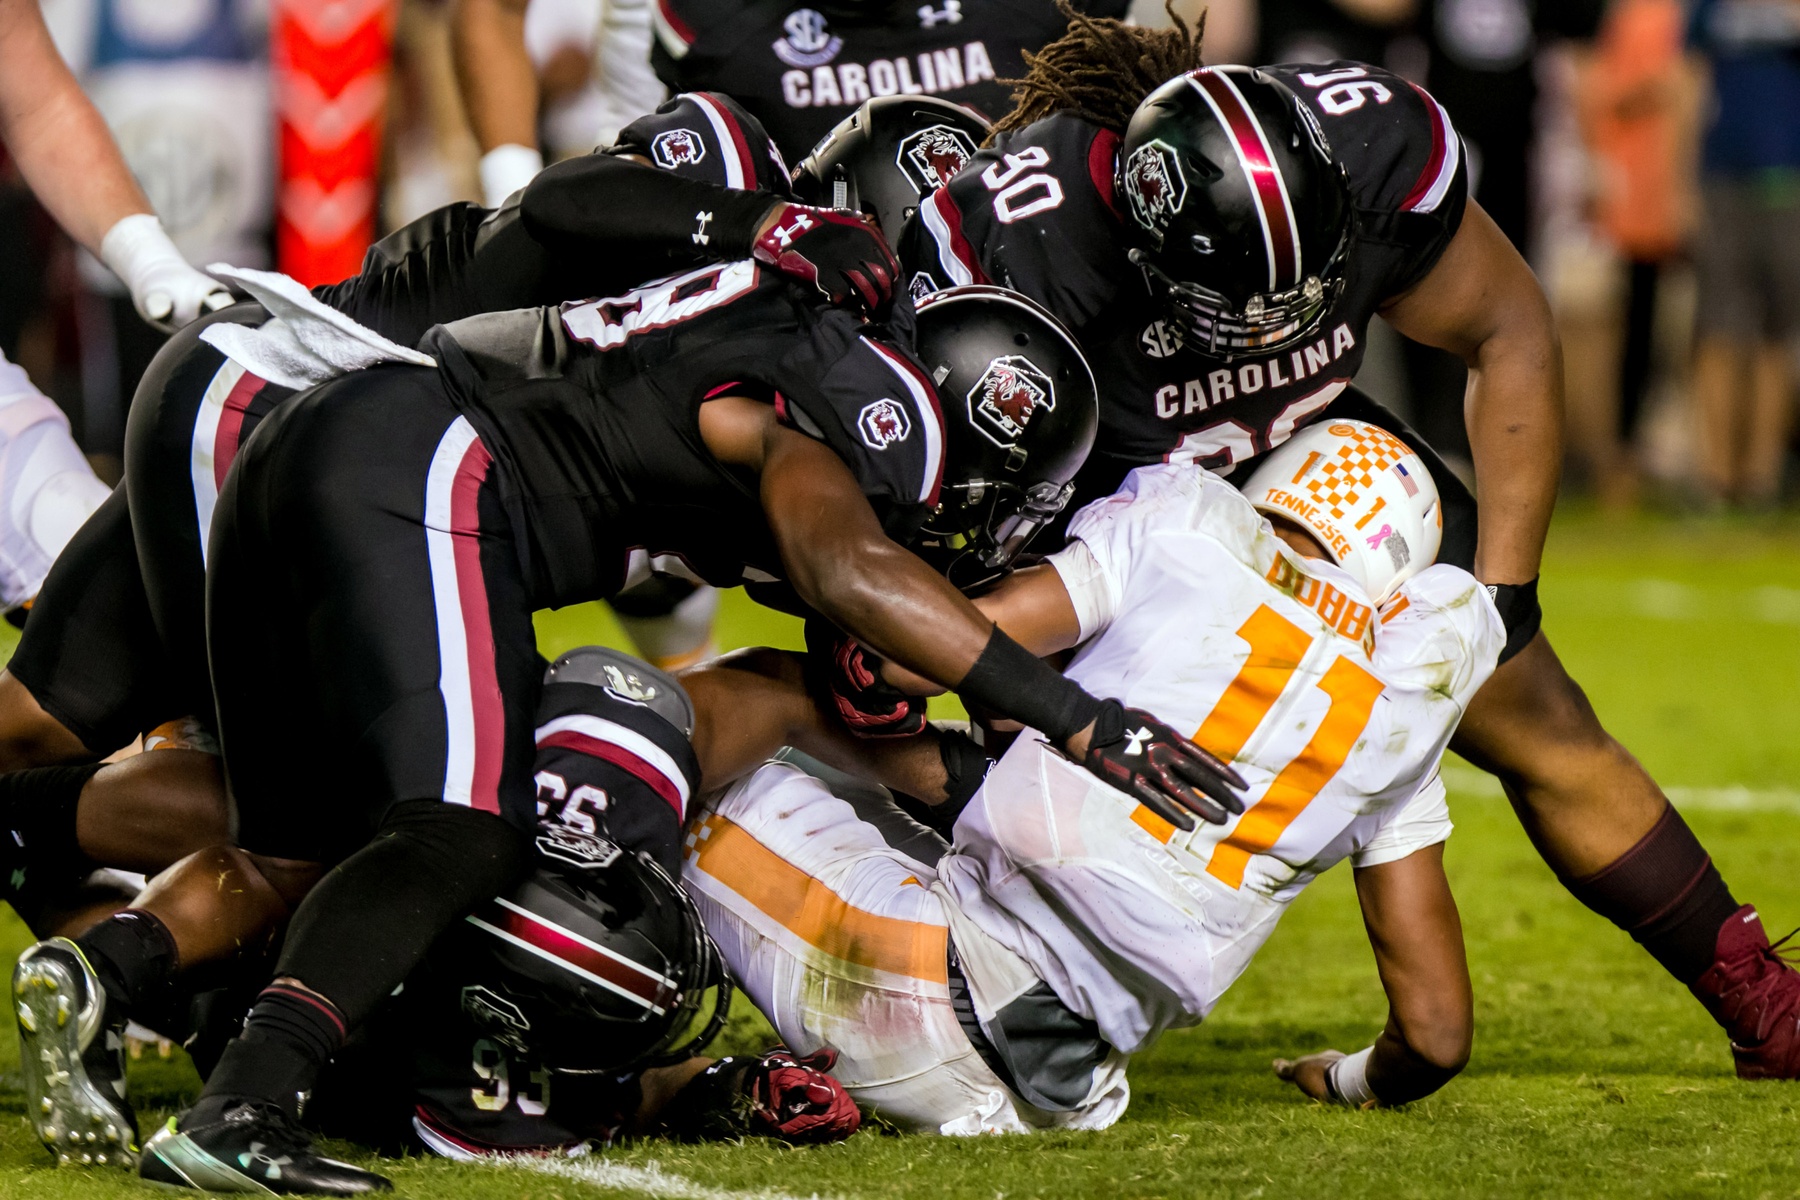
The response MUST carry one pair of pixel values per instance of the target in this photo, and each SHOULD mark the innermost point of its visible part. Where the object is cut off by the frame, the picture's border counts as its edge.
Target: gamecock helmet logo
(1154, 185)
(933, 155)
(1006, 397)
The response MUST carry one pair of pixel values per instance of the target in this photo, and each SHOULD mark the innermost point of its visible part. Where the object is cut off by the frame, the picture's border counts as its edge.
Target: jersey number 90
(1018, 195)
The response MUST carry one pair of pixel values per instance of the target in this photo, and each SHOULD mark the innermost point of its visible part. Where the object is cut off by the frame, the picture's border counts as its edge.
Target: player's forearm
(55, 134)
(1515, 421)
(498, 82)
(888, 599)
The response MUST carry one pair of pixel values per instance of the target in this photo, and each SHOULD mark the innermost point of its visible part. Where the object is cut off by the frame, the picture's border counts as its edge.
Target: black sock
(289, 1037)
(360, 933)
(134, 955)
(1666, 894)
(40, 853)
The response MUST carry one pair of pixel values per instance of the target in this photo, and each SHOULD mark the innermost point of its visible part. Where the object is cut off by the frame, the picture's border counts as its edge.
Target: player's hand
(868, 706)
(1308, 1073)
(176, 293)
(796, 1100)
(1162, 770)
(842, 254)
(165, 289)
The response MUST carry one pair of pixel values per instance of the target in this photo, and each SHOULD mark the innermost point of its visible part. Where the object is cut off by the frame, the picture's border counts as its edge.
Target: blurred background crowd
(1643, 154)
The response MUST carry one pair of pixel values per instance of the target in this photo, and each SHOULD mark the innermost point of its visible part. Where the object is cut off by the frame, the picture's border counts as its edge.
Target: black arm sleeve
(598, 205)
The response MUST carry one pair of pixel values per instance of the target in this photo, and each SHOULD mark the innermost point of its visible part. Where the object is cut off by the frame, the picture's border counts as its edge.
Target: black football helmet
(1240, 215)
(598, 962)
(888, 155)
(1020, 414)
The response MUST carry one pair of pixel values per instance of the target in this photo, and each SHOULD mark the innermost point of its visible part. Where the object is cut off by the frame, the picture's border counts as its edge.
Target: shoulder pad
(1395, 141)
(710, 137)
(1035, 212)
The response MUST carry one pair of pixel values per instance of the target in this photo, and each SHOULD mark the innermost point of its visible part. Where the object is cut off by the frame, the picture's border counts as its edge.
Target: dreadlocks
(1101, 69)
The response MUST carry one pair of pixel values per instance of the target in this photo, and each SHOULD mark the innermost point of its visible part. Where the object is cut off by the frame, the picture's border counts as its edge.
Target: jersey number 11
(1277, 647)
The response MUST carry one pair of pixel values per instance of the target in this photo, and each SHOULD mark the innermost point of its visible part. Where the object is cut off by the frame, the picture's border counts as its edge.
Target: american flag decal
(1406, 479)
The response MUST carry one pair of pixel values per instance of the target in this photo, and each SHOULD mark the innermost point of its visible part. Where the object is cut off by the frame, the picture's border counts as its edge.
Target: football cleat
(1754, 994)
(72, 1054)
(248, 1145)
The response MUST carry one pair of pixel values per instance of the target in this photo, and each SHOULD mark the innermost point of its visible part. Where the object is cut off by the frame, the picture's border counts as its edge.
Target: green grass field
(1593, 1074)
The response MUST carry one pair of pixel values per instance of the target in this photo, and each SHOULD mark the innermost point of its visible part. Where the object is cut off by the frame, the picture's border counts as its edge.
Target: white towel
(305, 342)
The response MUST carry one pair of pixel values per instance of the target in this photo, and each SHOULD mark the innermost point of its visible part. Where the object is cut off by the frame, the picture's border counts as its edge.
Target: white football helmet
(1362, 492)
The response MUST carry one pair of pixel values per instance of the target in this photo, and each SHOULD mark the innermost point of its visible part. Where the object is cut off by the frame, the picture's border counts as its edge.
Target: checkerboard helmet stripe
(1362, 492)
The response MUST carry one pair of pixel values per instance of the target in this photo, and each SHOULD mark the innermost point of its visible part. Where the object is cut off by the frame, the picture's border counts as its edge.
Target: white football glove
(166, 291)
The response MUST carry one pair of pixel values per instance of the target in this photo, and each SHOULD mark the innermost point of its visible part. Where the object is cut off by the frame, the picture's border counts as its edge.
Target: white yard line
(649, 1179)
(1468, 782)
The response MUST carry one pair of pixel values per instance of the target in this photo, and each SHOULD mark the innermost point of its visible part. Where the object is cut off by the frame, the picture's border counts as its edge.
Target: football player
(67, 156)
(536, 1026)
(1002, 988)
(799, 71)
(1219, 239)
(380, 546)
(116, 646)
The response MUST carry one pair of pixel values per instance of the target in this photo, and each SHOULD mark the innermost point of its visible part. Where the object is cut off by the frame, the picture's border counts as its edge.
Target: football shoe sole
(78, 1120)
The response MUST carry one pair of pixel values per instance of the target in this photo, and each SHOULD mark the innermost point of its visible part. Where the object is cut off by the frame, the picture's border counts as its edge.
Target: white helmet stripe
(1268, 189)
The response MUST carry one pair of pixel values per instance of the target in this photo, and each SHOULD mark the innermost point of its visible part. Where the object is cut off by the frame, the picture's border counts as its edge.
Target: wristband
(506, 169)
(1519, 612)
(1010, 680)
(1347, 1080)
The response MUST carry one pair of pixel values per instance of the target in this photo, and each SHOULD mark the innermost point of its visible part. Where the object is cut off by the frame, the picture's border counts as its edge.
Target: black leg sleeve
(370, 921)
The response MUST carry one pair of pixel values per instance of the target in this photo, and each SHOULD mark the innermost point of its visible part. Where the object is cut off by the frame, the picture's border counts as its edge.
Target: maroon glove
(796, 1100)
(840, 253)
(870, 708)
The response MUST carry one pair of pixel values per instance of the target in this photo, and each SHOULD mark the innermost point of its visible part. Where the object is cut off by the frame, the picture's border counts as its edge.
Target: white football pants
(841, 942)
(47, 488)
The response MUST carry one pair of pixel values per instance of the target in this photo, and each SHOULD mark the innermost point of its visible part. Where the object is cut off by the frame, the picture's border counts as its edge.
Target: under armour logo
(270, 1167)
(700, 236)
(785, 234)
(950, 14)
(1134, 742)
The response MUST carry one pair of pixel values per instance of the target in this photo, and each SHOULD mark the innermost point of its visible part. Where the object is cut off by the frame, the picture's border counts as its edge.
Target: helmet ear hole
(1021, 339)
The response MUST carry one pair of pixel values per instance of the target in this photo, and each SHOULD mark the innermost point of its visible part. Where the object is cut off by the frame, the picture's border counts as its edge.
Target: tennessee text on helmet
(1020, 413)
(888, 155)
(598, 962)
(1362, 493)
(1240, 216)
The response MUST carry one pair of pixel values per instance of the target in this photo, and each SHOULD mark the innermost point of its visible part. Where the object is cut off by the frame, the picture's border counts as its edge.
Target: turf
(1593, 1074)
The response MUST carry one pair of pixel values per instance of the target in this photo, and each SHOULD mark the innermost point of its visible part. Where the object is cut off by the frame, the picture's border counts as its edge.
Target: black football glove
(840, 253)
(1162, 770)
(850, 675)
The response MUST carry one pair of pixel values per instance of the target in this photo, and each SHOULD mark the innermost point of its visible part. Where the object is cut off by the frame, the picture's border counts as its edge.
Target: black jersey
(593, 411)
(801, 68)
(566, 235)
(1037, 213)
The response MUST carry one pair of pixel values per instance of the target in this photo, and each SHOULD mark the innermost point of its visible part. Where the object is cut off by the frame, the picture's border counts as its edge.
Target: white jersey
(1336, 715)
